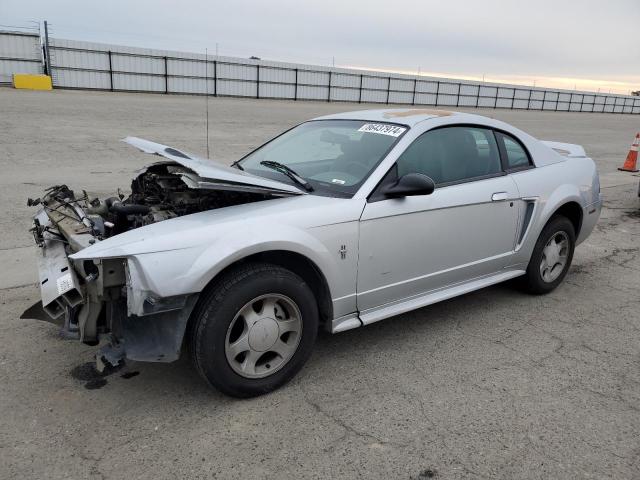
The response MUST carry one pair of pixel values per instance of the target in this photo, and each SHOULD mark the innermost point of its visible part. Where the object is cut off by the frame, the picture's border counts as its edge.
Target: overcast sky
(557, 43)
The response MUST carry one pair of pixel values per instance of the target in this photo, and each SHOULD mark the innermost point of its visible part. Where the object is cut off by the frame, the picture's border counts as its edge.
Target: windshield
(334, 156)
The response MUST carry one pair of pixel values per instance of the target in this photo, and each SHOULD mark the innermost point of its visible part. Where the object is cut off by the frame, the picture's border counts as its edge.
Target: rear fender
(545, 209)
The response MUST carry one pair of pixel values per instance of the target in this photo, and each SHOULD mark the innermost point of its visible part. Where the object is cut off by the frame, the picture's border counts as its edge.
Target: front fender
(186, 271)
(234, 247)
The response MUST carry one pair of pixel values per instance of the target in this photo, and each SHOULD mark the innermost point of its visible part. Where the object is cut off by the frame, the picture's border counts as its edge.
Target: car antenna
(206, 80)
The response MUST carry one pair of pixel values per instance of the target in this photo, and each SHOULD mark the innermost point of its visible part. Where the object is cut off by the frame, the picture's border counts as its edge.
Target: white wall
(19, 53)
(87, 65)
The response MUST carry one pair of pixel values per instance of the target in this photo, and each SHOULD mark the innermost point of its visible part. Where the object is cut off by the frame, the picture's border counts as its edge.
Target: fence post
(529, 100)
(458, 95)
(110, 72)
(478, 96)
(47, 57)
(295, 88)
(215, 78)
(257, 81)
(544, 99)
(329, 88)
(495, 102)
(557, 100)
(413, 98)
(166, 77)
(388, 89)
(513, 98)
(570, 102)
(437, 92)
(360, 90)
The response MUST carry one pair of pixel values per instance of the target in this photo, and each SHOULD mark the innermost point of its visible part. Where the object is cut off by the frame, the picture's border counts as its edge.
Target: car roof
(404, 116)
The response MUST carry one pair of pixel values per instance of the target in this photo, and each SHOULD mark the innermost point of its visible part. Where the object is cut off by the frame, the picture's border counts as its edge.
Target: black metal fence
(102, 67)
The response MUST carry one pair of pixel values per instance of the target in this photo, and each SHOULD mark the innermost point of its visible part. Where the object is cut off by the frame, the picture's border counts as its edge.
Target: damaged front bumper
(106, 301)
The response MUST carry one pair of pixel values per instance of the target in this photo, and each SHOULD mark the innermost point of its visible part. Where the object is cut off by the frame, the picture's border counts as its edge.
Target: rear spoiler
(566, 149)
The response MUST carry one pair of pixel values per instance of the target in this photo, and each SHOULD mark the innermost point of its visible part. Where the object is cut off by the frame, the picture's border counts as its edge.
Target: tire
(559, 228)
(238, 317)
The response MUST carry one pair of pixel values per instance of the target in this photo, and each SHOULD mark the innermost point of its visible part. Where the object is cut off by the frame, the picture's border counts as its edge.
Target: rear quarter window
(516, 155)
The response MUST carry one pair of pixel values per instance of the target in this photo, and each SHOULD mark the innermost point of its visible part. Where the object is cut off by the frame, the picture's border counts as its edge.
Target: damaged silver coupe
(337, 223)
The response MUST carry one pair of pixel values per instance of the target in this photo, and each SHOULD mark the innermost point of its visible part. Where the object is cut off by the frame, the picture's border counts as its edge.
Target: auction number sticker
(383, 129)
(64, 283)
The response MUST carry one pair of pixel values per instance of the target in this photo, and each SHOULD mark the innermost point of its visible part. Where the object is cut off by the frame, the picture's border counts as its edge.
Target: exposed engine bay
(106, 298)
(161, 192)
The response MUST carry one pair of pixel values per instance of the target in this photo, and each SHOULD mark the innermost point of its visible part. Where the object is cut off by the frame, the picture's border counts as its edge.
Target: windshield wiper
(289, 172)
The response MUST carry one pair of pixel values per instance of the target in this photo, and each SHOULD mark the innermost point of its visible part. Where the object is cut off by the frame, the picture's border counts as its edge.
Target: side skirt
(392, 309)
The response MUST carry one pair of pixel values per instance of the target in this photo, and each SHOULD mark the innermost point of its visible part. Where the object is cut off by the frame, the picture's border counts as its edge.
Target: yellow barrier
(32, 82)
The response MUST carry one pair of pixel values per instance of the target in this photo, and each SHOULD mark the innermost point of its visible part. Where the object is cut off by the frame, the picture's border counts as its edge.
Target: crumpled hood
(215, 172)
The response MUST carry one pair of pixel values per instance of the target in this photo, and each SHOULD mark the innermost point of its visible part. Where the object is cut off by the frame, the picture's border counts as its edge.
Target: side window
(516, 155)
(452, 154)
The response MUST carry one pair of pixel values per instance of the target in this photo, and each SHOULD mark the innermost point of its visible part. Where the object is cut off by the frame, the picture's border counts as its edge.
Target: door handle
(499, 196)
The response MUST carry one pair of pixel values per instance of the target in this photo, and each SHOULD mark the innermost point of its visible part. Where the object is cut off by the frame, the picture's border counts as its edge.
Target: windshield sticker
(382, 128)
(338, 181)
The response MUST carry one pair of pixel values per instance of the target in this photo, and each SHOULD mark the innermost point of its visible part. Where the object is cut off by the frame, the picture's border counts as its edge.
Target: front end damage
(103, 301)
(108, 301)
(91, 297)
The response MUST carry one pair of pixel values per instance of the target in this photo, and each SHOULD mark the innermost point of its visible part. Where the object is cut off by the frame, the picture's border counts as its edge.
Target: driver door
(464, 230)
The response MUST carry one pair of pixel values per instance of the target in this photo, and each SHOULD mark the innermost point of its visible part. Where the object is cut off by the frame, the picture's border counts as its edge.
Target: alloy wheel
(554, 257)
(263, 336)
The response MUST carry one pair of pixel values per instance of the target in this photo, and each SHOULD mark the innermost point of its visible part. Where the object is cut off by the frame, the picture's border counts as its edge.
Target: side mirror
(409, 185)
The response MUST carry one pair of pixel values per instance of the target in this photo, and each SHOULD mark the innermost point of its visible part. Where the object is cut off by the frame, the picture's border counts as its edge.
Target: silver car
(337, 223)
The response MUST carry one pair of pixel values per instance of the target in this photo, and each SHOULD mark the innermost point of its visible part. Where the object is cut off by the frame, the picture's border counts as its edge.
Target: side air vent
(528, 215)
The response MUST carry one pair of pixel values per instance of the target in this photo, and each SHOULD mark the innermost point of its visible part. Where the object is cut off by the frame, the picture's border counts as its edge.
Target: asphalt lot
(495, 384)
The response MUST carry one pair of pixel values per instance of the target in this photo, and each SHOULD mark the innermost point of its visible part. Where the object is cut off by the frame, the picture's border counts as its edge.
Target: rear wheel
(254, 329)
(551, 256)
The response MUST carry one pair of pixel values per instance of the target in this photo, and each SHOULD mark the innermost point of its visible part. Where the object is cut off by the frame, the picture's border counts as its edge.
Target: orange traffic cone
(630, 164)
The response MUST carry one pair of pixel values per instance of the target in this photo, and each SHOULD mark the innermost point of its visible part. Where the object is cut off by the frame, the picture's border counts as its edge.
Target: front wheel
(254, 329)
(551, 256)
